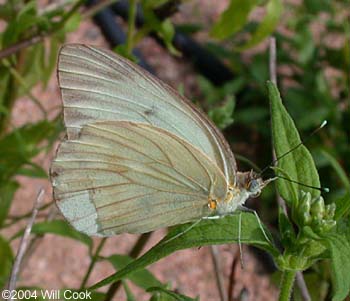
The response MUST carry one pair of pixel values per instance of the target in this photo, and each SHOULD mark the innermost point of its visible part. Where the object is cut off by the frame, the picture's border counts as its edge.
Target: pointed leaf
(342, 206)
(207, 232)
(274, 10)
(299, 163)
(233, 18)
(339, 247)
(142, 278)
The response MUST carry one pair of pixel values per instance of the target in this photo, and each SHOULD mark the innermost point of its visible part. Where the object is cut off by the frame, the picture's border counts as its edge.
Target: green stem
(131, 26)
(93, 262)
(287, 282)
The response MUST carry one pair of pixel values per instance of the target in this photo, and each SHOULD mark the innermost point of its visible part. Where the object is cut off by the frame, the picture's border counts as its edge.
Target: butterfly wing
(131, 177)
(99, 85)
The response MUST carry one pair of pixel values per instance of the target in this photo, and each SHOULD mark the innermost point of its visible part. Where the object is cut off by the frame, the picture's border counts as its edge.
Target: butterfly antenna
(323, 124)
(322, 189)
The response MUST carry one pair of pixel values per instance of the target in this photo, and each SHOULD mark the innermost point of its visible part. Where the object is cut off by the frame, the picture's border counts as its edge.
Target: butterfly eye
(253, 185)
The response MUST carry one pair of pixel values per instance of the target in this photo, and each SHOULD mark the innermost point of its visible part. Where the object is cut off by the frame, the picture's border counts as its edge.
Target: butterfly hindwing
(131, 177)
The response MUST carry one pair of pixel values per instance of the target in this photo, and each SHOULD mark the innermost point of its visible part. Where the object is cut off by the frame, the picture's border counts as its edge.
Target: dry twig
(24, 242)
(215, 255)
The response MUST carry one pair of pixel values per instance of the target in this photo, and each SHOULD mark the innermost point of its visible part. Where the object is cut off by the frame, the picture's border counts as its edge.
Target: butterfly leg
(239, 239)
(213, 217)
(182, 232)
(258, 220)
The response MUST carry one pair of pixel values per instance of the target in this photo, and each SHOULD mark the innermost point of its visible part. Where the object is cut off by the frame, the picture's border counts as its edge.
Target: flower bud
(318, 208)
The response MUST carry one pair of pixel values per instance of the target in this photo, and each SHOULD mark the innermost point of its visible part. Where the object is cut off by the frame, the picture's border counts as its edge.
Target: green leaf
(288, 185)
(21, 145)
(222, 116)
(342, 207)
(339, 247)
(299, 163)
(207, 232)
(32, 68)
(286, 229)
(5, 88)
(274, 10)
(142, 278)
(7, 191)
(72, 23)
(167, 32)
(338, 169)
(128, 292)
(58, 227)
(233, 18)
(6, 260)
(52, 54)
(173, 295)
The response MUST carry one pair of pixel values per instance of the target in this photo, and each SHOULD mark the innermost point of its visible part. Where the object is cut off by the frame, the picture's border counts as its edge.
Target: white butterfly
(137, 156)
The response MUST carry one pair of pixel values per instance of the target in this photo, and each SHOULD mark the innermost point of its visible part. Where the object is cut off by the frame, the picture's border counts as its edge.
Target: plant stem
(131, 26)
(93, 262)
(287, 282)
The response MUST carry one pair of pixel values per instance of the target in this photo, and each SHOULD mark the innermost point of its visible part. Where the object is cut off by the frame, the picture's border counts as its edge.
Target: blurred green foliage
(313, 58)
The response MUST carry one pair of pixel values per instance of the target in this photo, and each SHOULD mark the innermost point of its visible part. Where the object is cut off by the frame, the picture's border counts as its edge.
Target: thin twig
(273, 77)
(24, 243)
(35, 242)
(302, 287)
(215, 255)
(273, 60)
(232, 276)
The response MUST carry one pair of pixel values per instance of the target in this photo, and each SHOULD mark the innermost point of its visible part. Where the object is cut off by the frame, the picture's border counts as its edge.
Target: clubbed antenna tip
(323, 124)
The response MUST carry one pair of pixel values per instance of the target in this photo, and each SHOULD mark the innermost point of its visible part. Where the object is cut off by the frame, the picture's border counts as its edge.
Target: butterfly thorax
(247, 185)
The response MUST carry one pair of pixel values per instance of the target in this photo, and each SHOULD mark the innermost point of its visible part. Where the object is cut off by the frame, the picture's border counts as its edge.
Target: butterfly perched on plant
(137, 155)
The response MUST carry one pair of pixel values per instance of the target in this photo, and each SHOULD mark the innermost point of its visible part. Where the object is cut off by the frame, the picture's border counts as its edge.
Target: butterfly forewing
(98, 85)
(120, 177)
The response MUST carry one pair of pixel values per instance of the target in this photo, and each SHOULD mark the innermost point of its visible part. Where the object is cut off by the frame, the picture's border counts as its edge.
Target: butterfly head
(252, 183)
